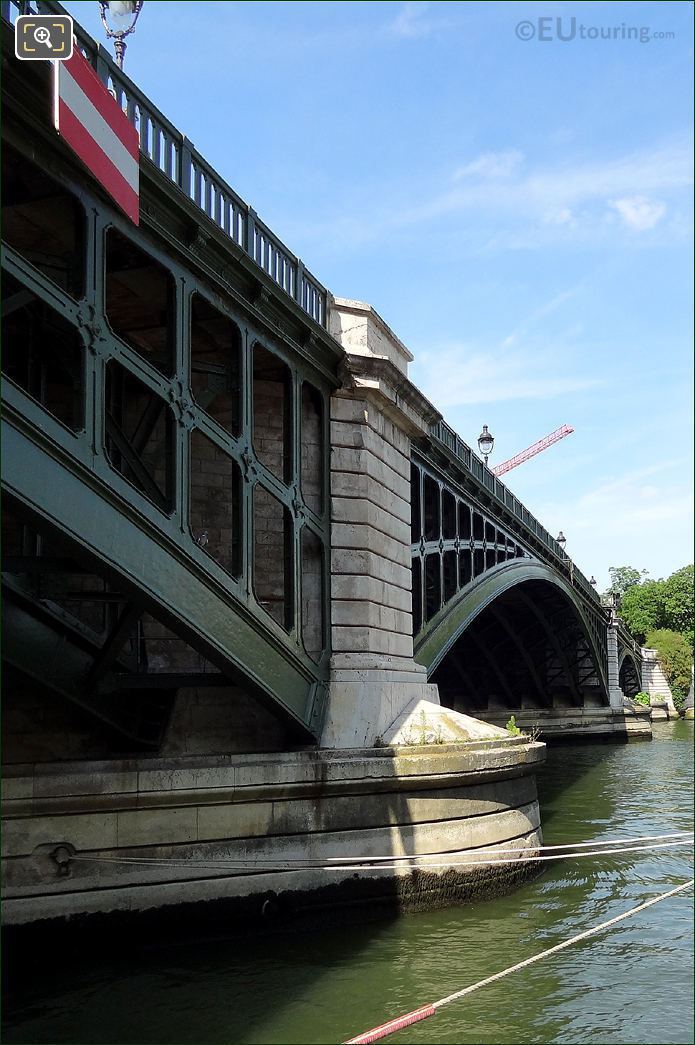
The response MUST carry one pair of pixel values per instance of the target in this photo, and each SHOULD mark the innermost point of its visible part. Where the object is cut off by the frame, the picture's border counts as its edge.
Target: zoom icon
(38, 37)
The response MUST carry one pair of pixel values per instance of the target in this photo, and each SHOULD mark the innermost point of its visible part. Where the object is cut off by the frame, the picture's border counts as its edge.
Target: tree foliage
(648, 605)
(674, 654)
(659, 614)
(679, 596)
(642, 608)
(624, 577)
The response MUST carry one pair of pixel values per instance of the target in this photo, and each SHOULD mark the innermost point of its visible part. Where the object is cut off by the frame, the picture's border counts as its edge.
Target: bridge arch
(519, 637)
(629, 673)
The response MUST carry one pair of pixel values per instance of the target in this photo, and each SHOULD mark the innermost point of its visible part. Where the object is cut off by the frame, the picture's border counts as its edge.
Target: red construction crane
(531, 451)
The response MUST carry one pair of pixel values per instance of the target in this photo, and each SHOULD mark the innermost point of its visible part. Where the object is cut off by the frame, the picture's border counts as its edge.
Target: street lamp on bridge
(562, 541)
(123, 14)
(485, 443)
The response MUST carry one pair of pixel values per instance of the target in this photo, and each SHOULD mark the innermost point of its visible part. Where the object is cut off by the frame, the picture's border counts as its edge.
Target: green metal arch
(436, 642)
(626, 654)
(623, 654)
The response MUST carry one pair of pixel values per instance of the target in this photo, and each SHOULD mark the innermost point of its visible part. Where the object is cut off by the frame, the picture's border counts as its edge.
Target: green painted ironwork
(458, 525)
(130, 521)
(630, 662)
(504, 504)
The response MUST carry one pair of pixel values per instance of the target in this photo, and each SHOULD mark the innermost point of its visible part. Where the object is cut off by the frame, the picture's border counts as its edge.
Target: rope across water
(385, 1029)
(429, 861)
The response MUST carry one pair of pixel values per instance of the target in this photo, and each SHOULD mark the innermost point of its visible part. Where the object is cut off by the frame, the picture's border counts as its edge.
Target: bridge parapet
(176, 157)
(444, 437)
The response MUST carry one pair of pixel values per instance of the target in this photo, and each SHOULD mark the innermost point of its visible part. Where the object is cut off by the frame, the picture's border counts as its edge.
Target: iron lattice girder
(150, 570)
(521, 650)
(39, 647)
(631, 650)
(566, 641)
(630, 676)
(115, 641)
(431, 467)
(136, 531)
(462, 672)
(500, 676)
(488, 631)
(486, 625)
(561, 640)
(553, 643)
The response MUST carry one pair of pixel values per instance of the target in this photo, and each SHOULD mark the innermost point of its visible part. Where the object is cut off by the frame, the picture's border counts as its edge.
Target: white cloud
(639, 212)
(517, 206)
(458, 375)
(492, 165)
(619, 521)
(563, 216)
(546, 309)
(411, 21)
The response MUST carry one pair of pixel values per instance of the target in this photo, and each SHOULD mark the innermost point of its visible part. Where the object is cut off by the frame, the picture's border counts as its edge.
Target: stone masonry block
(363, 639)
(364, 462)
(370, 589)
(85, 831)
(356, 510)
(156, 826)
(348, 535)
(359, 562)
(364, 664)
(357, 614)
(361, 437)
(363, 487)
(361, 412)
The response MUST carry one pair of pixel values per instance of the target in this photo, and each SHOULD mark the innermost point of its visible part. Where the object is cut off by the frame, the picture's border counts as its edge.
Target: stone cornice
(395, 393)
(362, 308)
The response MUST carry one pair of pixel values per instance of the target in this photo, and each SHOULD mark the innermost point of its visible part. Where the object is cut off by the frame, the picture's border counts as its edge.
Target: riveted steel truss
(630, 671)
(525, 649)
(496, 621)
(454, 541)
(166, 450)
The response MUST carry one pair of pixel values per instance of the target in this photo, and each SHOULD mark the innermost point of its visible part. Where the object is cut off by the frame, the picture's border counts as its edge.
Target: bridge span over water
(234, 527)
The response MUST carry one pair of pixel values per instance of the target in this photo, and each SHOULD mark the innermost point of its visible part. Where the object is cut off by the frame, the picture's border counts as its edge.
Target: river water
(633, 983)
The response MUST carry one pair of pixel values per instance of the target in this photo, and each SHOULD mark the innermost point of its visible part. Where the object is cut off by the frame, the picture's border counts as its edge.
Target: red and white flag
(92, 123)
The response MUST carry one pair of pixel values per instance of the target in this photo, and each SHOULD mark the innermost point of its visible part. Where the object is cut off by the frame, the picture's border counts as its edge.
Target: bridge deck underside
(527, 649)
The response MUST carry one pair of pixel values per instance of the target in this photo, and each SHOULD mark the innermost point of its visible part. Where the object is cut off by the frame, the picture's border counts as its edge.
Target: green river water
(633, 983)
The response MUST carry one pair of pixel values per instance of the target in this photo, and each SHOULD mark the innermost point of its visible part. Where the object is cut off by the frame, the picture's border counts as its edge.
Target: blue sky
(517, 210)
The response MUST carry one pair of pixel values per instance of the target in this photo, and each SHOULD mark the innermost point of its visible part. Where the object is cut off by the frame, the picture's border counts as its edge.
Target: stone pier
(615, 693)
(374, 416)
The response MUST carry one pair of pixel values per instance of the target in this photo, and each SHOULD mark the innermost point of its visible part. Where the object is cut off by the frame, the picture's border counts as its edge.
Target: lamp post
(562, 541)
(485, 443)
(592, 581)
(123, 14)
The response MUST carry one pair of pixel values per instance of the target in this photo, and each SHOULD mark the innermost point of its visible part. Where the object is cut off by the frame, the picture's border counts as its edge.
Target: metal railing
(173, 154)
(442, 433)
